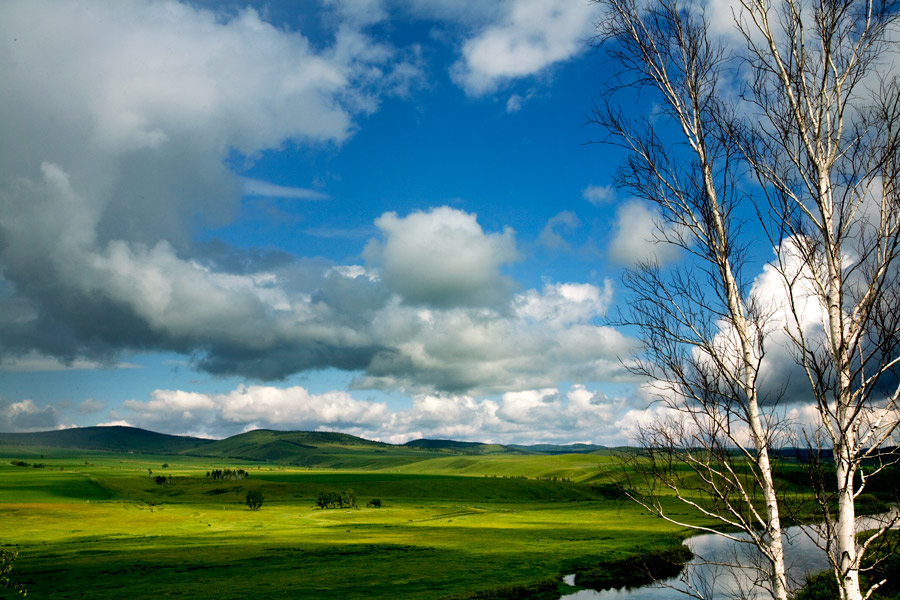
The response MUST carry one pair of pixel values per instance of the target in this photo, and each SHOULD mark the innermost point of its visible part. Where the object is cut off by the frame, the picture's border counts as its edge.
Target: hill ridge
(118, 438)
(297, 447)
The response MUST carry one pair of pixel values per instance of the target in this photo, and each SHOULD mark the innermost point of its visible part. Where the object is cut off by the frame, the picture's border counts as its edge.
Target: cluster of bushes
(556, 479)
(22, 463)
(234, 475)
(346, 499)
(162, 479)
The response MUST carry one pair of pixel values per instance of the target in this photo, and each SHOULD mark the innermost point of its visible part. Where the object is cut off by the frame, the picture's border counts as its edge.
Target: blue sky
(378, 217)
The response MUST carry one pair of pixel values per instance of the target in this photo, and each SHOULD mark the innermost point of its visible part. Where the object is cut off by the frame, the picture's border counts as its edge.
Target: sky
(378, 217)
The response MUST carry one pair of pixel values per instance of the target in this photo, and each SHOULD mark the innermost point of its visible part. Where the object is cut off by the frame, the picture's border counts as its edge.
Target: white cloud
(531, 406)
(26, 416)
(533, 35)
(544, 337)
(550, 236)
(514, 103)
(146, 73)
(116, 423)
(565, 304)
(116, 134)
(598, 195)
(118, 122)
(253, 407)
(265, 189)
(526, 416)
(439, 316)
(634, 239)
(443, 258)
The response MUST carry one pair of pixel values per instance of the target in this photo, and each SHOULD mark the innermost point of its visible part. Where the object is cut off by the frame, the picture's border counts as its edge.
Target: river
(802, 557)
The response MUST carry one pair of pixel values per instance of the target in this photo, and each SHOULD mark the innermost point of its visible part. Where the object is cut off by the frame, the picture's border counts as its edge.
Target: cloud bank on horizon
(151, 147)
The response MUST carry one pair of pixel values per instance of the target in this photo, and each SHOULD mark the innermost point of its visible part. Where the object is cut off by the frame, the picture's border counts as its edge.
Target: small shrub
(609, 491)
(7, 557)
(821, 586)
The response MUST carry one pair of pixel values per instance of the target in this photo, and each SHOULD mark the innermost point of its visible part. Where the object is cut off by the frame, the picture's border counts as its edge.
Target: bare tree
(816, 125)
(704, 335)
(826, 156)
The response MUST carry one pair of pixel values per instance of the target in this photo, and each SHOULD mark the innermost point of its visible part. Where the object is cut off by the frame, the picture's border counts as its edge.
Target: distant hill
(310, 448)
(454, 447)
(559, 449)
(302, 448)
(114, 438)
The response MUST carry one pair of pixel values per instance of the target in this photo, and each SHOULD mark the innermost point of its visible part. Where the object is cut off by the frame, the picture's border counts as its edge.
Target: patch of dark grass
(547, 589)
(634, 570)
(821, 586)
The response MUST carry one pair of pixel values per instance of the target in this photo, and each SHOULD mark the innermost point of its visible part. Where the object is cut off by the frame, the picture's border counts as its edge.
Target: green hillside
(559, 449)
(454, 447)
(312, 449)
(115, 439)
(584, 468)
(320, 449)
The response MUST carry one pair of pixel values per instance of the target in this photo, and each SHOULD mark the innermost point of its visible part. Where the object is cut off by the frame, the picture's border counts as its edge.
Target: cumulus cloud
(252, 407)
(565, 303)
(26, 416)
(633, 238)
(533, 35)
(543, 337)
(598, 195)
(118, 122)
(439, 315)
(526, 416)
(443, 258)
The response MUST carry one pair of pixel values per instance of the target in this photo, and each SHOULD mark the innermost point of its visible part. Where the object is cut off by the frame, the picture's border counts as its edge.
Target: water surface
(802, 557)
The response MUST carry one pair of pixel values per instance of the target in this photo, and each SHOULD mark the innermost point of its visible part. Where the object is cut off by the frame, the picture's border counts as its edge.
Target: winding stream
(802, 557)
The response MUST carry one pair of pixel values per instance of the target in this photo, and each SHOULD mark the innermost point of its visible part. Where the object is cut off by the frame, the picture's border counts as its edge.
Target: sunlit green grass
(102, 528)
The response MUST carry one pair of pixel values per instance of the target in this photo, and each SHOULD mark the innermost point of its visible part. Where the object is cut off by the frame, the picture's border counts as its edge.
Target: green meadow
(94, 523)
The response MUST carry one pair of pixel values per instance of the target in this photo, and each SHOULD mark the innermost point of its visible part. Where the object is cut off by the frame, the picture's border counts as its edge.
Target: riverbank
(598, 573)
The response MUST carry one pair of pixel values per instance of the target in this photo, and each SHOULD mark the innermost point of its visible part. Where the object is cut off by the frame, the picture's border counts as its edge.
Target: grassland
(95, 524)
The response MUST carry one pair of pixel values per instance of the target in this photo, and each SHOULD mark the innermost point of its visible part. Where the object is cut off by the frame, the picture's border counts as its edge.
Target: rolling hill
(301, 448)
(454, 447)
(114, 438)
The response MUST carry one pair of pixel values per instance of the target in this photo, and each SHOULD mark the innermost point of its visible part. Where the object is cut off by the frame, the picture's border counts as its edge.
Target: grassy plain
(95, 524)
